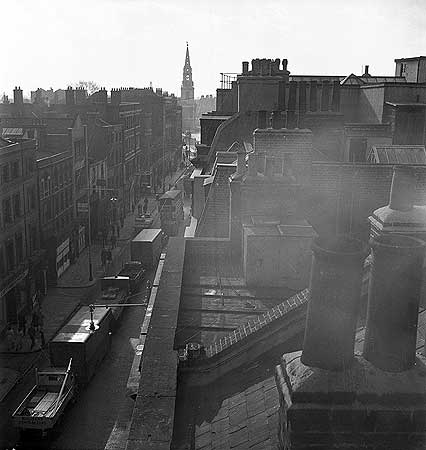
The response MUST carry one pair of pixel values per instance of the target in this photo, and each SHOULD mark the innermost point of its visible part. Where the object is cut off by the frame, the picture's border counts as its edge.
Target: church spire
(187, 96)
(187, 61)
(187, 71)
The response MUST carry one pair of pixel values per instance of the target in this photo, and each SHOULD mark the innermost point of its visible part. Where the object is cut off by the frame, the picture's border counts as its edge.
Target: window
(32, 199)
(33, 237)
(5, 173)
(18, 246)
(10, 255)
(30, 165)
(2, 265)
(15, 170)
(17, 205)
(7, 211)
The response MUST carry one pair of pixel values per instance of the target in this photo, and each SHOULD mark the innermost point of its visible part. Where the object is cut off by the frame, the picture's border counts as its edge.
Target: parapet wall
(153, 414)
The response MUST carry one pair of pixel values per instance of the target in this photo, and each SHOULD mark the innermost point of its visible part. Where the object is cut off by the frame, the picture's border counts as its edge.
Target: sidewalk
(72, 290)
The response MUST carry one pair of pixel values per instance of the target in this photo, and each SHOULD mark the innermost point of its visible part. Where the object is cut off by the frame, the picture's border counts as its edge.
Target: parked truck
(171, 211)
(135, 271)
(42, 408)
(86, 337)
(146, 247)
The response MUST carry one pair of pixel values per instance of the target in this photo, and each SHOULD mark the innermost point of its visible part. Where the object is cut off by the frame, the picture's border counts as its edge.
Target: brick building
(56, 208)
(324, 104)
(161, 134)
(21, 269)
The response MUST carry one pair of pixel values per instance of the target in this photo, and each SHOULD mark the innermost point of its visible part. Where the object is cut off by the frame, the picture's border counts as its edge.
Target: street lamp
(88, 203)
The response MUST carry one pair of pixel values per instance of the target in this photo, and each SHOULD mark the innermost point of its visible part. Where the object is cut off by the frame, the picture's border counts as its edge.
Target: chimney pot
(403, 188)
(252, 165)
(241, 161)
(393, 302)
(335, 289)
(277, 120)
(261, 120)
(245, 67)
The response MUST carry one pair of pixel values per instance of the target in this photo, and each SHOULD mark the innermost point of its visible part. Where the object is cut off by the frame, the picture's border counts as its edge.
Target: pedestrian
(113, 241)
(103, 257)
(35, 320)
(10, 338)
(31, 334)
(19, 339)
(42, 339)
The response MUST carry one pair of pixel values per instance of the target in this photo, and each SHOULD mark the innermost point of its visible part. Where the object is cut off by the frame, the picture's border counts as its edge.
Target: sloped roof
(353, 79)
(18, 132)
(398, 154)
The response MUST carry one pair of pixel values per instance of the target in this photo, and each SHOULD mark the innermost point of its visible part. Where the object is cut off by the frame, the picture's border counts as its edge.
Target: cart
(42, 408)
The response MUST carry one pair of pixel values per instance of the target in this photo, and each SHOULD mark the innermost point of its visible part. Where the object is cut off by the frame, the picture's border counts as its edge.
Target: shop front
(62, 257)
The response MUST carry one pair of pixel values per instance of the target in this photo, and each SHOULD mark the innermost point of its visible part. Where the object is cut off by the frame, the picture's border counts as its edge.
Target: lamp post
(88, 203)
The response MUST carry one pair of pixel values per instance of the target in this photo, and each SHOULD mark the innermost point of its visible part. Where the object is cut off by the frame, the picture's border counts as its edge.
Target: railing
(226, 80)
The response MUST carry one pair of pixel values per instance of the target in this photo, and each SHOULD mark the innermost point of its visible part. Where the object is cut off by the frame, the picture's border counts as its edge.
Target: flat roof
(412, 58)
(173, 193)
(77, 328)
(212, 117)
(147, 234)
(422, 105)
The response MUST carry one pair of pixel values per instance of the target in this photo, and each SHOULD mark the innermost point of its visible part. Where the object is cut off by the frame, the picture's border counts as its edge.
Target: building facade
(20, 270)
(56, 218)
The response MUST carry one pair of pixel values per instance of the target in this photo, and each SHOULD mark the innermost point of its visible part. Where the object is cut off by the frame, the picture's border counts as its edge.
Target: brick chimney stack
(18, 98)
(115, 96)
(69, 96)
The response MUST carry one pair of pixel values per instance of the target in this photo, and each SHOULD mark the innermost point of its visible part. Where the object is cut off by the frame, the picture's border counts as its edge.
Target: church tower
(187, 96)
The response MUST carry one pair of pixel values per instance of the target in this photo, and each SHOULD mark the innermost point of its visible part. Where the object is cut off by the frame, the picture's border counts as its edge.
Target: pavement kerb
(79, 286)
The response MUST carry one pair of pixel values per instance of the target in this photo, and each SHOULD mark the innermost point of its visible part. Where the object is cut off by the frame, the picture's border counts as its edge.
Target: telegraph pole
(88, 203)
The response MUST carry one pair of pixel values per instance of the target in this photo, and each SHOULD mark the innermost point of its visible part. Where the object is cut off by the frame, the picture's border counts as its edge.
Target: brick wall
(276, 199)
(355, 190)
(327, 132)
(201, 254)
(297, 143)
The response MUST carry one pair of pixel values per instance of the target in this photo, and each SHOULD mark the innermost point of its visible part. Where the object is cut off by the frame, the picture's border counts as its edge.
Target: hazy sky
(53, 43)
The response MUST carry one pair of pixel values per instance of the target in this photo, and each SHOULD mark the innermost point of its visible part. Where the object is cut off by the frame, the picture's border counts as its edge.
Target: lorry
(42, 408)
(135, 271)
(114, 290)
(84, 340)
(86, 337)
(77, 340)
(146, 247)
(143, 221)
(171, 211)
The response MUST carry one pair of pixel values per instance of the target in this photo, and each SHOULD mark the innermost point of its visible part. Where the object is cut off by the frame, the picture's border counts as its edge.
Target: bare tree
(90, 86)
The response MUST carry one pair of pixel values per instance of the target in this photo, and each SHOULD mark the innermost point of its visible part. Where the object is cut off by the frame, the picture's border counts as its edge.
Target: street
(87, 424)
